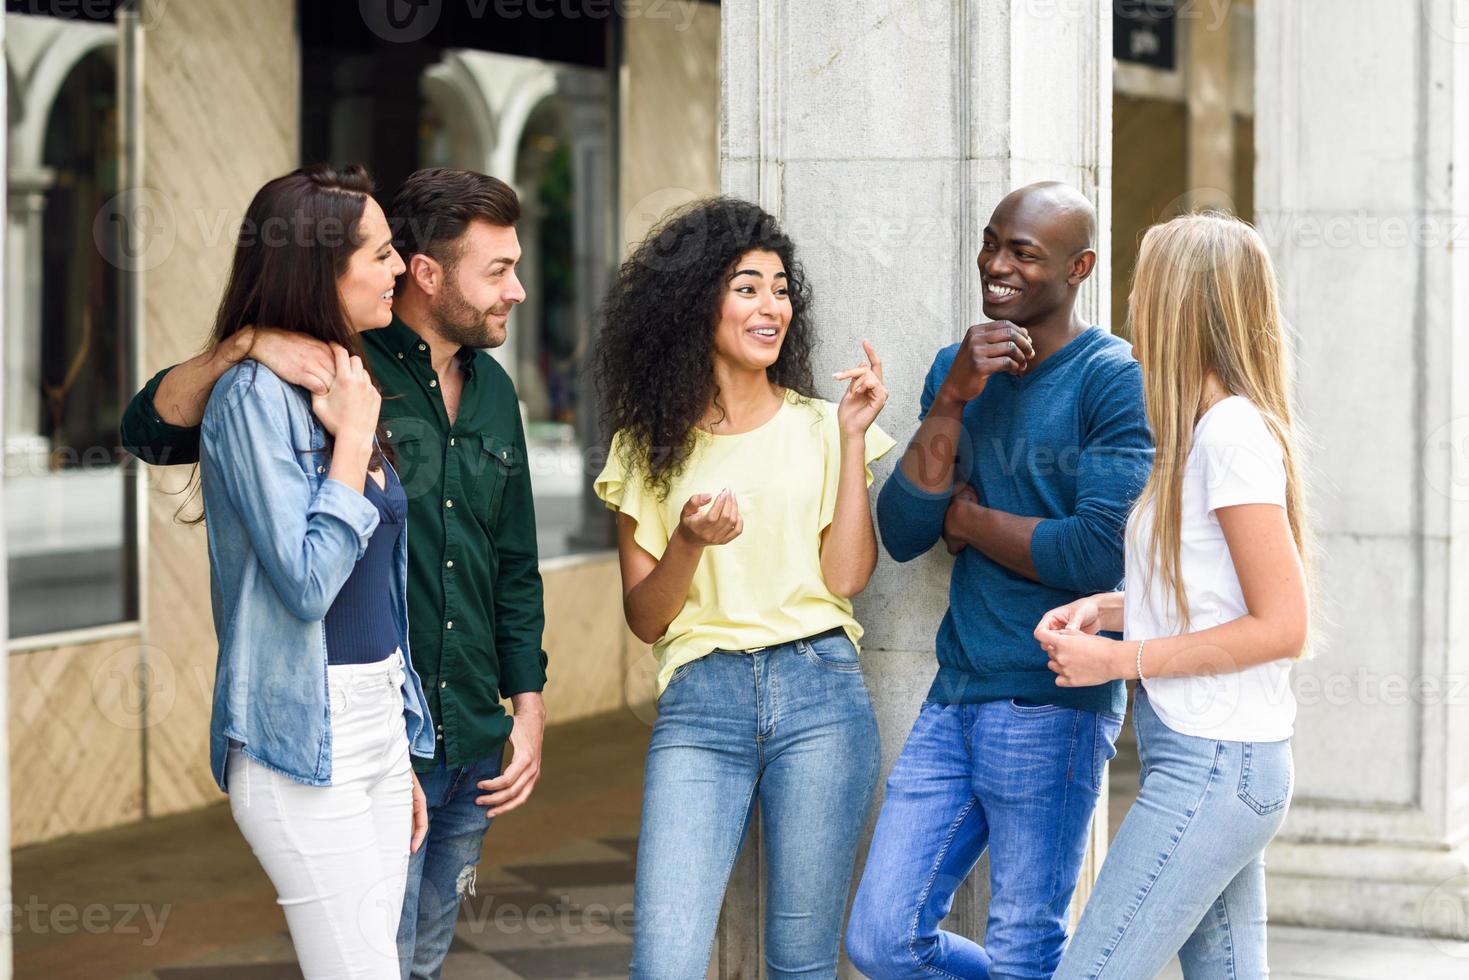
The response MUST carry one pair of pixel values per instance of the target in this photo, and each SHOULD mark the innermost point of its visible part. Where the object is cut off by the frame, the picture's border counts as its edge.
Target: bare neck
(412, 307)
(745, 399)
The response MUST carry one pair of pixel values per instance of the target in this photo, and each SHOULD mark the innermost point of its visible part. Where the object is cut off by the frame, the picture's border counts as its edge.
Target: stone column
(25, 448)
(1362, 189)
(883, 134)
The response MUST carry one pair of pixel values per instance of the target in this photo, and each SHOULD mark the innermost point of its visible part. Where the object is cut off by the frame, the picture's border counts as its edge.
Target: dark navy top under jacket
(360, 628)
(1067, 442)
(283, 538)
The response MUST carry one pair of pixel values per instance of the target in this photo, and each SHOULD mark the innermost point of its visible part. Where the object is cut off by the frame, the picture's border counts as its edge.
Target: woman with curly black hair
(743, 532)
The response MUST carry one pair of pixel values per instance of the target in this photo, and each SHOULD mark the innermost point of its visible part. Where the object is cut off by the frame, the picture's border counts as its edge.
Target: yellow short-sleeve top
(765, 587)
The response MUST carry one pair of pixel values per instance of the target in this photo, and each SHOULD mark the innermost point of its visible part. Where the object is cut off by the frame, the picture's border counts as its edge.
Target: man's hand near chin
(513, 786)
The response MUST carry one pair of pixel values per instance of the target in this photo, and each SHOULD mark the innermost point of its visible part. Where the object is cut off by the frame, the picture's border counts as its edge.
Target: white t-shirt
(1234, 460)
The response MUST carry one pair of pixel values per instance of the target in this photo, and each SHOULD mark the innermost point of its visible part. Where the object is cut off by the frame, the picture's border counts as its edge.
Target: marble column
(882, 134)
(25, 448)
(1362, 190)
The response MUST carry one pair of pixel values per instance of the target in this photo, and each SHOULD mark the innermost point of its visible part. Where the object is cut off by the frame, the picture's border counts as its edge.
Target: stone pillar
(595, 190)
(25, 448)
(1368, 219)
(883, 134)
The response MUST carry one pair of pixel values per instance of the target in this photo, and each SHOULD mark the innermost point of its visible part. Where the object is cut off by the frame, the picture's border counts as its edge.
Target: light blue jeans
(792, 727)
(1018, 778)
(1185, 875)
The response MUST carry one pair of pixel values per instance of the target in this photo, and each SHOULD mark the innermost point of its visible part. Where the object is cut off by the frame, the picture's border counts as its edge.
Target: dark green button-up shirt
(474, 586)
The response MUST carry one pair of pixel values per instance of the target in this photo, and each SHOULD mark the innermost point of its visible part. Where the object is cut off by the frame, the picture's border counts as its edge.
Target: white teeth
(1000, 290)
(766, 332)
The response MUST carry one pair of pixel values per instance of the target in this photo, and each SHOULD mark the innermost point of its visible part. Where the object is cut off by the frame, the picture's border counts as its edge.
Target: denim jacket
(283, 538)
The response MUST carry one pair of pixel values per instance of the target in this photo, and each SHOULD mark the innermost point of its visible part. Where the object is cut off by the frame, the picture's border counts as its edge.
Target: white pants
(338, 854)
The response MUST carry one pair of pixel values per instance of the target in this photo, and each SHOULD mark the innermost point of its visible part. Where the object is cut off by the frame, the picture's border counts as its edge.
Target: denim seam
(1056, 883)
(933, 873)
(734, 855)
(1142, 898)
(1228, 938)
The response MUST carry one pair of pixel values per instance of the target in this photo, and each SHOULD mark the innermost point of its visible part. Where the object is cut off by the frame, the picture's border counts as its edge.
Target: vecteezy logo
(135, 687)
(400, 21)
(135, 230)
(1446, 459)
(1449, 19)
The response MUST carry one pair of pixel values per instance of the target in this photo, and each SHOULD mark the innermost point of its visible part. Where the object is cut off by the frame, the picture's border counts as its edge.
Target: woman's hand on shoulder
(352, 402)
(865, 395)
(710, 519)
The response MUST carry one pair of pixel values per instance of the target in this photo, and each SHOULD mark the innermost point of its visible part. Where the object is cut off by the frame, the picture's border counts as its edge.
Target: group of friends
(1116, 511)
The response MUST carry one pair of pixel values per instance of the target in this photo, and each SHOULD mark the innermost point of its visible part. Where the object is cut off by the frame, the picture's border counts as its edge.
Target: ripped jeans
(442, 872)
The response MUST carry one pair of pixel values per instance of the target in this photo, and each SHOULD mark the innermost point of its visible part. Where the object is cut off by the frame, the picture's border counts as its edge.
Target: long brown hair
(296, 240)
(1204, 298)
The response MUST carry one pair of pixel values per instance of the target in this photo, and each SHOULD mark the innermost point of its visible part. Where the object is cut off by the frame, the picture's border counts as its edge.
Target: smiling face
(1036, 252)
(366, 287)
(473, 306)
(754, 314)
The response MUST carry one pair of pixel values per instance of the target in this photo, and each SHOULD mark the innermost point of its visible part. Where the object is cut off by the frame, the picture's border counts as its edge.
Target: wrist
(683, 537)
(354, 439)
(854, 441)
(527, 705)
(235, 348)
(948, 402)
(1124, 659)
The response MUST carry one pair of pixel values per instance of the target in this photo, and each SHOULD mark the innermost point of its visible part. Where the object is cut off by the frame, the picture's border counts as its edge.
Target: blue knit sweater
(1067, 442)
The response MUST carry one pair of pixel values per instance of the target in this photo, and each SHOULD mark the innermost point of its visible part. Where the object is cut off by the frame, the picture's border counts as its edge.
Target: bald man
(1032, 446)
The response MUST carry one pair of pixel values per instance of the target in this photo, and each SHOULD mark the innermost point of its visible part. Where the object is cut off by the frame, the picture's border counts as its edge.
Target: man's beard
(459, 321)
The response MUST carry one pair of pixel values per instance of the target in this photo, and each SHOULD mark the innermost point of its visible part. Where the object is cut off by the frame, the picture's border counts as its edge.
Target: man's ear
(1082, 264)
(426, 272)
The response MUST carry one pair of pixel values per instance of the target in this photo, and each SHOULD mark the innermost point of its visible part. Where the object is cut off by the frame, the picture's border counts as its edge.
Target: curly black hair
(654, 361)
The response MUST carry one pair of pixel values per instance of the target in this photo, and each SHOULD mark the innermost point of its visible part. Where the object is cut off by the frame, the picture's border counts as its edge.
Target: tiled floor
(182, 898)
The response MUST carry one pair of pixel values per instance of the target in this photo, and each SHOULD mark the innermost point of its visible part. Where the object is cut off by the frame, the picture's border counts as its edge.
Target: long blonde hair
(1204, 299)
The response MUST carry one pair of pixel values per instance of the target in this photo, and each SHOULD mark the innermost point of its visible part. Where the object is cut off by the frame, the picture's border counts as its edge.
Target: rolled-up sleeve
(144, 434)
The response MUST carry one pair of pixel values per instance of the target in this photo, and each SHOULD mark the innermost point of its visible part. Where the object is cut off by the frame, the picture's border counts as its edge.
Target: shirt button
(449, 563)
(440, 736)
(443, 684)
(452, 441)
(321, 469)
(388, 433)
(423, 347)
(448, 503)
(400, 355)
(433, 384)
(449, 625)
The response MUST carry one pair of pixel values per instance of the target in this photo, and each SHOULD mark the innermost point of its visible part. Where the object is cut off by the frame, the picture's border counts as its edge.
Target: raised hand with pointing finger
(865, 395)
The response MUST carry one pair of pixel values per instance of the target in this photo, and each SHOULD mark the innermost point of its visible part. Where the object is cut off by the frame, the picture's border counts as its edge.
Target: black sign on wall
(1145, 32)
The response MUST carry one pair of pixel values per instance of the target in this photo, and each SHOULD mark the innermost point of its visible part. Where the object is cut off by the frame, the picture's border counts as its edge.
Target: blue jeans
(1185, 874)
(791, 726)
(1021, 779)
(443, 870)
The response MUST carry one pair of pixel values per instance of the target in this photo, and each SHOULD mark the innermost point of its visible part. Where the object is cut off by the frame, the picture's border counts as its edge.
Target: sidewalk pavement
(182, 898)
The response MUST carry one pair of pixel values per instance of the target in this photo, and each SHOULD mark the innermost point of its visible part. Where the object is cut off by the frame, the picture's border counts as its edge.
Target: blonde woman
(1214, 612)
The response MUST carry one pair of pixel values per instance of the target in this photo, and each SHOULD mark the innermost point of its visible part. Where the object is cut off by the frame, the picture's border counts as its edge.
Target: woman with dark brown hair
(316, 704)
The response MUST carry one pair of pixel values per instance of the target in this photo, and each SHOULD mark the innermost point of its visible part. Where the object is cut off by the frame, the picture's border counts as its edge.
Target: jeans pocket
(679, 673)
(831, 650)
(1267, 775)
(1033, 708)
